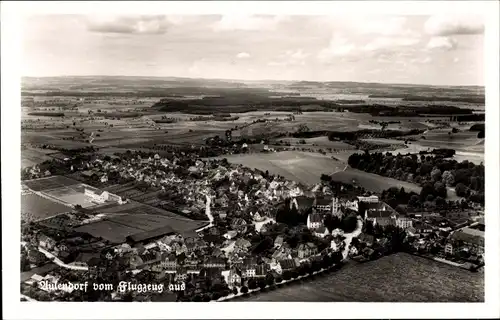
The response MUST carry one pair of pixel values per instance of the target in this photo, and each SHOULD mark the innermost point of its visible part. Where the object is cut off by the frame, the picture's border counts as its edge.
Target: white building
(404, 222)
(314, 221)
(353, 205)
(102, 196)
(336, 209)
(370, 199)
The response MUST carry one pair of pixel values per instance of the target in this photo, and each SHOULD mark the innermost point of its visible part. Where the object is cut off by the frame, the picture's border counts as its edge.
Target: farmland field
(108, 230)
(39, 207)
(304, 167)
(135, 208)
(320, 142)
(50, 183)
(399, 277)
(32, 156)
(371, 181)
(117, 227)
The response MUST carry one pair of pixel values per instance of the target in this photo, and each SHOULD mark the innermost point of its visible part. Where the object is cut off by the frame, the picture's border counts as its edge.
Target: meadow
(37, 207)
(303, 167)
(399, 277)
(372, 182)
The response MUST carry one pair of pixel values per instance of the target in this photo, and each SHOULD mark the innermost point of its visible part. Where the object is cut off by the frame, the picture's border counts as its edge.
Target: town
(217, 229)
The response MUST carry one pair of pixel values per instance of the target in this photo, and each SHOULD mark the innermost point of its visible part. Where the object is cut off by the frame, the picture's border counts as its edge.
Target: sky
(438, 50)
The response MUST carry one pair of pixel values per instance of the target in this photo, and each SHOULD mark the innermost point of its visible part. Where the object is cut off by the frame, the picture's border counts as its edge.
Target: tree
(262, 283)
(252, 284)
(414, 201)
(287, 275)
(244, 289)
(440, 189)
(448, 178)
(461, 190)
(235, 291)
(427, 189)
(436, 174)
(325, 177)
(269, 279)
(349, 223)
(440, 202)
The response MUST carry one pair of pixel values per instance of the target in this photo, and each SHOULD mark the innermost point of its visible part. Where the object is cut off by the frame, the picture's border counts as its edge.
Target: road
(209, 215)
(57, 261)
(349, 236)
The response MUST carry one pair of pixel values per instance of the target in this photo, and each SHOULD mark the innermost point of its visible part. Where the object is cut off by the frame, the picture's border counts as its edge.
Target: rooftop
(468, 238)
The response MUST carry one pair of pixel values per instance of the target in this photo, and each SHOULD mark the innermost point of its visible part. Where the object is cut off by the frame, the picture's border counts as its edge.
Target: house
(36, 257)
(321, 232)
(46, 242)
(169, 262)
(278, 242)
(366, 238)
(287, 265)
(353, 205)
(314, 220)
(337, 232)
(306, 249)
(404, 222)
(466, 241)
(382, 217)
(335, 244)
(276, 267)
(85, 259)
(323, 204)
(213, 262)
(218, 253)
(353, 251)
(423, 227)
(249, 271)
(261, 270)
(135, 261)
(239, 224)
(301, 203)
(242, 244)
(448, 249)
(181, 274)
(193, 269)
(281, 253)
(234, 277)
(223, 215)
(230, 234)
(214, 274)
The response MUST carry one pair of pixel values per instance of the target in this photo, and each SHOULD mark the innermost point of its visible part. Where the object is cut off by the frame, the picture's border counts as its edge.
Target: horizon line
(261, 80)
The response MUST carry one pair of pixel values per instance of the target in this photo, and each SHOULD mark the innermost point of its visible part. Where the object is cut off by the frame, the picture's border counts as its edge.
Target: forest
(433, 173)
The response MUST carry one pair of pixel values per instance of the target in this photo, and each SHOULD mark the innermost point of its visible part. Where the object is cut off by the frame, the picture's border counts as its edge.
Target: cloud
(129, 24)
(290, 58)
(424, 60)
(338, 47)
(384, 26)
(243, 55)
(442, 43)
(388, 43)
(448, 25)
(247, 22)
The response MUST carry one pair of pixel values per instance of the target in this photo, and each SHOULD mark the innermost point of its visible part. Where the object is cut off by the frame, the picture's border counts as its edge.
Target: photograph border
(12, 14)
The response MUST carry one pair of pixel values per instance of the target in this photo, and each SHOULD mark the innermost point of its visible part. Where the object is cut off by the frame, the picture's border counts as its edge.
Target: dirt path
(349, 236)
